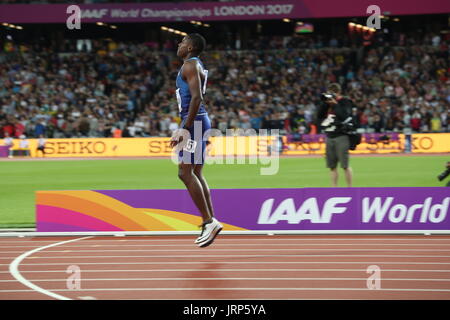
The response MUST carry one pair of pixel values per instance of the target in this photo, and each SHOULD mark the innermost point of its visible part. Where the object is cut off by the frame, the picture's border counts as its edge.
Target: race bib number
(178, 99)
(190, 146)
(205, 74)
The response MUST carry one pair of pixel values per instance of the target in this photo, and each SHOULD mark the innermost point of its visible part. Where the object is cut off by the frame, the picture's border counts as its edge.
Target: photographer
(335, 117)
(445, 174)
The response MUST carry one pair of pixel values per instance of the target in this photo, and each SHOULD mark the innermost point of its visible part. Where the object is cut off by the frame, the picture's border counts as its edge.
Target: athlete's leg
(211, 230)
(192, 183)
(206, 192)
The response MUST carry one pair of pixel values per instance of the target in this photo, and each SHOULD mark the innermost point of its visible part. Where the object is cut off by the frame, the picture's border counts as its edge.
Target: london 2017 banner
(305, 209)
(210, 11)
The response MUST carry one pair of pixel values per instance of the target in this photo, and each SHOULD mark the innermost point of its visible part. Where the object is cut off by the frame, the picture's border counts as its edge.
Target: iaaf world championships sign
(209, 11)
(302, 209)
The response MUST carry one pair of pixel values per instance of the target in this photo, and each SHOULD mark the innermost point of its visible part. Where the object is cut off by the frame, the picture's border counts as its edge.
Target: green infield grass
(19, 180)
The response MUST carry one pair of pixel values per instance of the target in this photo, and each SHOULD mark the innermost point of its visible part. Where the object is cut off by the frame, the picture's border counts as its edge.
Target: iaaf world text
(374, 209)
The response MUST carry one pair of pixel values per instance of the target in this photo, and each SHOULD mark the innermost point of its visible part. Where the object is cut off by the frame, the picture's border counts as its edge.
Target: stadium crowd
(128, 90)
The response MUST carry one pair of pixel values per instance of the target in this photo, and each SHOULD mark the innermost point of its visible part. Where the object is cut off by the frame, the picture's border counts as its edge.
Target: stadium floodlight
(193, 21)
(177, 32)
(164, 28)
(113, 27)
(170, 30)
(100, 23)
(286, 20)
(300, 23)
(19, 27)
(206, 25)
(5, 24)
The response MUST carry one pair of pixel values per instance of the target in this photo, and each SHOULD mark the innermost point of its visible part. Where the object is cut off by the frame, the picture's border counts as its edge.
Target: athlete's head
(193, 44)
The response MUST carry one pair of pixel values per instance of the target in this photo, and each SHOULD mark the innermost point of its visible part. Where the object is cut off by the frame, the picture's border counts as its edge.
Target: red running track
(234, 267)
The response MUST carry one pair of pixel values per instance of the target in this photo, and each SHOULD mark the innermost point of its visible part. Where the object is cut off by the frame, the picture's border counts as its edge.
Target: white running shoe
(209, 233)
(203, 234)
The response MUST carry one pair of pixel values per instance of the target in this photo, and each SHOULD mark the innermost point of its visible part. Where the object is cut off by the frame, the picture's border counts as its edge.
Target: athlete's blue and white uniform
(201, 123)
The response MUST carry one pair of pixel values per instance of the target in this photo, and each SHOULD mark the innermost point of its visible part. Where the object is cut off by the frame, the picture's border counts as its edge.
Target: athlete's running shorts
(194, 150)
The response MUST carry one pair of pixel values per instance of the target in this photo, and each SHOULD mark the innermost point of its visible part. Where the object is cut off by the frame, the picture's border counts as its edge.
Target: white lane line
(231, 278)
(208, 299)
(241, 256)
(87, 298)
(176, 299)
(14, 269)
(240, 249)
(231, 270)
(237, 289)
(256, 238)
(301, 245)
(234, 262)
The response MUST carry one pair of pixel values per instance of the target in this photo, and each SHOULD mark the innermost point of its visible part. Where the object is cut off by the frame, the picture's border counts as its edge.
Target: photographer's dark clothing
(341, 111)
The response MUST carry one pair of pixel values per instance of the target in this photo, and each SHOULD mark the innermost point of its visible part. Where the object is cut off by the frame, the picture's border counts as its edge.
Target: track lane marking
(234, 262)
(257, 238)
(14, 269)
(239, 289)
(301, 245)
(232, 270)
(242, 249)
(234, 278)
(241, 256)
